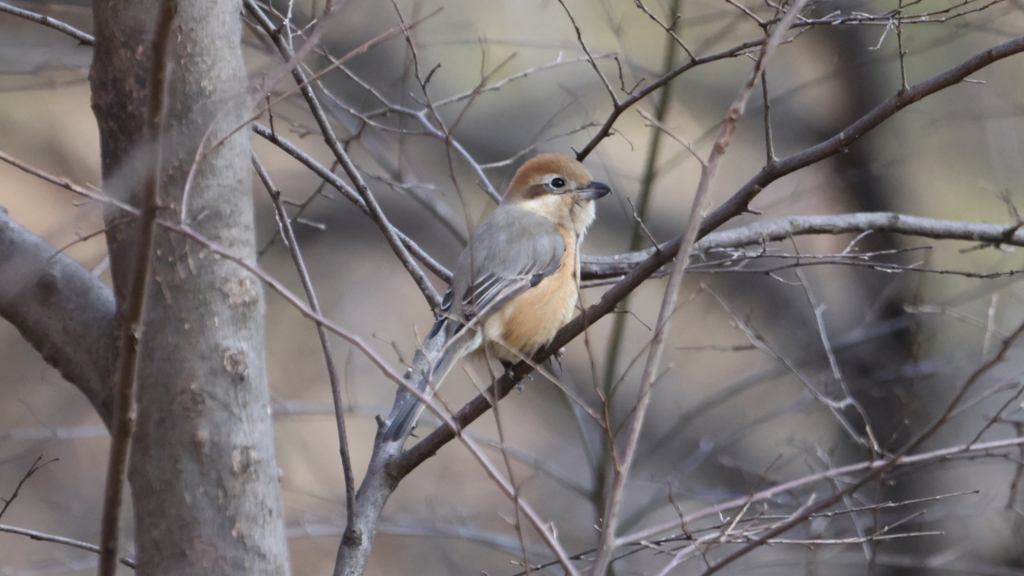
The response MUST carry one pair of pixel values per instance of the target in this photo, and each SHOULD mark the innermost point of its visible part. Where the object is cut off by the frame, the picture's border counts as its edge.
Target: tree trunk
(203, 473)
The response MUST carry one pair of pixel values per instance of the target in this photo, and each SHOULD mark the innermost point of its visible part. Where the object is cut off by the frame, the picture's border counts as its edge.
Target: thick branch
(602, 267)
(740, 201)
(61, 309)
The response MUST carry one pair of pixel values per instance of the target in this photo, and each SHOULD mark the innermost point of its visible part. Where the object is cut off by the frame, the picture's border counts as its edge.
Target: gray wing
(511, 252)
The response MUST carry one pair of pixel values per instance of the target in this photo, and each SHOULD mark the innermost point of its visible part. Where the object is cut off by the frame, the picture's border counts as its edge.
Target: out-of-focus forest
(786, 359)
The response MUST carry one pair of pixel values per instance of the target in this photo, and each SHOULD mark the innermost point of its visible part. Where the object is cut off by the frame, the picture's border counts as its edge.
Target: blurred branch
(43, 537)
(603, 471)
(628, 103)
(133, 306)
(61, 309)
(972, 450)
(647, 179)
(338, 184)
(82, 37)
(434, 528)
(622, 461)
(887, 463)
(375, 212)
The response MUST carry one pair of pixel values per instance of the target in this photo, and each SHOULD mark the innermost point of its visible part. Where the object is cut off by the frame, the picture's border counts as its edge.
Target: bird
(515, 284)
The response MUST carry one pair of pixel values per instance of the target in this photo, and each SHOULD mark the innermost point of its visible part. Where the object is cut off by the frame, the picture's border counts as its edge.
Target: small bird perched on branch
(516, 283)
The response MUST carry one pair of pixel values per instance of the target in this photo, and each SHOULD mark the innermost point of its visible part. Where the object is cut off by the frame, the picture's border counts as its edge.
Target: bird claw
(508, 366)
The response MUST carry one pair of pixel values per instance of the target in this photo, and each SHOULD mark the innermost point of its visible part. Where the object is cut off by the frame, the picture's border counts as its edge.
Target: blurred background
(729, 418)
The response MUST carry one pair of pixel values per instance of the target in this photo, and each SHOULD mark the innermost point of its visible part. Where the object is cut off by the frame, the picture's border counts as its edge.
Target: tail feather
(402, 422)
(408, 408)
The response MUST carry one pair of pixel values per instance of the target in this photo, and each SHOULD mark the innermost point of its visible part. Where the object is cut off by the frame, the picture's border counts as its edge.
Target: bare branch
(740, 201)
(590, 57)
(288, 234)
(626, 104)
(347, 191)
(376, 214)
(888, 464)
(66, 313)
(35, 467)
(943, 454)
(132, 329)
(791, 226)
(43, 537)
(82, 37)
(622, 464)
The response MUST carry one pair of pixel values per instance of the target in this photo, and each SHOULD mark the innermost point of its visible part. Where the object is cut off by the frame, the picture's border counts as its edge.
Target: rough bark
(203, 472)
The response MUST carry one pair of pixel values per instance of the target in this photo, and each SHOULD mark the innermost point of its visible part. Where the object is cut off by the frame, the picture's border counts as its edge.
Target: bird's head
(558, 188)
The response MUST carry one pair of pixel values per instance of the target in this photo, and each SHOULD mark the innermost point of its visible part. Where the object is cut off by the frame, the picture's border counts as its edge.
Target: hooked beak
(594, 191)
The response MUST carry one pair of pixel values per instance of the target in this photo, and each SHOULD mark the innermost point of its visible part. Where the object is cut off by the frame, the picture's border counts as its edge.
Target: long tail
(407, 407)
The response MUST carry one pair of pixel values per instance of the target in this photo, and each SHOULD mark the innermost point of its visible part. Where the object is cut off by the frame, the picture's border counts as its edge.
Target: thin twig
(132, 328)
(590, 57)
(898, 17)
(35, 467)
(888, 463)
(84, 38)
(376, 214)
(338, 184)
(43, 537)
(818, 311)
(769, 144)
(940, 455)
(650, 173)
(606, 547)
(628, 103)
(285, 226)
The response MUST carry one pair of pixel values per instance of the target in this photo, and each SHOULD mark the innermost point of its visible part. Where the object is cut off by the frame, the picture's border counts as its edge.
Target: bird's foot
(557, 356)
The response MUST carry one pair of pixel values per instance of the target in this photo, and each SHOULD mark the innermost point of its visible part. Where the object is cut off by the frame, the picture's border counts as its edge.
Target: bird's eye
(557, 183)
